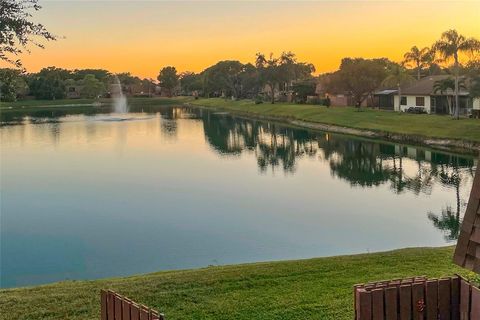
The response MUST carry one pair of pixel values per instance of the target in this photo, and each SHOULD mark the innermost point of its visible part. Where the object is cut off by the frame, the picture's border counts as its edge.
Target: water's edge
(449, 145)
(173, 271)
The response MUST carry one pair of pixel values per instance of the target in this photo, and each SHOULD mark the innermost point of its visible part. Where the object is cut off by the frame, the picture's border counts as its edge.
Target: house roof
(467, 251)
(385, 92)
(425, 86)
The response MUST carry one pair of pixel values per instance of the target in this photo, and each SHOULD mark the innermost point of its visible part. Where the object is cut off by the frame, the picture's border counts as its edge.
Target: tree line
(53, 83)
(359, 78)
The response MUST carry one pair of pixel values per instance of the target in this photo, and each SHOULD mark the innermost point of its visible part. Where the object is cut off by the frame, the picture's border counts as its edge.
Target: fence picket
(455, 295)
(118, 307)
(464, 300)
(377, 304)
(431, 294)
(144, 314)
(126, 309)
(444, 299)
(391, 306)
(405, 301)
(110, 305)
(365, 302)
(418, 299)
(103, 305)
(475, 303)
(134, 312)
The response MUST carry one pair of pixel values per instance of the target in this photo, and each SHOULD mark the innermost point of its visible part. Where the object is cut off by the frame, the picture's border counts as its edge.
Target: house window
(420, 101)
(403, 101)
(71, 89)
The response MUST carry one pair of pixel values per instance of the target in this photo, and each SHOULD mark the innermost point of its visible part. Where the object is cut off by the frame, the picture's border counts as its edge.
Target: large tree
(359, 77)
(280, 73)
(100, 74)
(189, 82)
(268, 72)
(49, 83)
(168, 79)
(449, 47)
(12, 84)
(420, 58)
(17, 31)
(224, 76)
(92, 87)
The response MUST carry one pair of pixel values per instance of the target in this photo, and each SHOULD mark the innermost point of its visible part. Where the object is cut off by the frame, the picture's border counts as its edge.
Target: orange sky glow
(143, 36)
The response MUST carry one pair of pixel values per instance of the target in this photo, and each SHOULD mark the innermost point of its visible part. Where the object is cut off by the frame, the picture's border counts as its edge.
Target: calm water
(84, 196)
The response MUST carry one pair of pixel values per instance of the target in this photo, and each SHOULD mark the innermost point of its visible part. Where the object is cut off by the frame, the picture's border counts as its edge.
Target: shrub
(258, 99)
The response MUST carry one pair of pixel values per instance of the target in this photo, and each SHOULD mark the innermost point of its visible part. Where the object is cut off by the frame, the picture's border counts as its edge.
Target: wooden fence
(417, 298)
(117, 307)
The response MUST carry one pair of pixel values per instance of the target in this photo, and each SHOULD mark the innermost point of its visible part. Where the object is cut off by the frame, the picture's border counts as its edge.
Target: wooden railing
(452, 298)
(117, 307)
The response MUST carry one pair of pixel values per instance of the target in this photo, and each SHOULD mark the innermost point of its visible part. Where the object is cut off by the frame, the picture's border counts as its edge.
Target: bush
(258, 99)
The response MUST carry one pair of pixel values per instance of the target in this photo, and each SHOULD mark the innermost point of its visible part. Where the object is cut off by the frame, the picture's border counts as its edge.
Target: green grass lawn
(434, 126)
(303, 289)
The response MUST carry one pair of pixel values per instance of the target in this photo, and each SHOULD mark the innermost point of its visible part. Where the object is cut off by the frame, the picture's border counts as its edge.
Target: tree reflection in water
(360, 162)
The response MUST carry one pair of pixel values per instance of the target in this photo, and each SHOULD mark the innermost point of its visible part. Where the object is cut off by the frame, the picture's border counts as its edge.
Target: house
(422, 94)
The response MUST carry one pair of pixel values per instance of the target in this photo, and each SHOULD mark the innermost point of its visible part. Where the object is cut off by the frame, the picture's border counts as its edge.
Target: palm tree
(450, 45)
(398, 76)
(419, 57)
(442, 87)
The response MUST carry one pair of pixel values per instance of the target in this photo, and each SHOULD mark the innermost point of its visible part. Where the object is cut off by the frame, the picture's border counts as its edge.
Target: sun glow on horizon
(143, 36)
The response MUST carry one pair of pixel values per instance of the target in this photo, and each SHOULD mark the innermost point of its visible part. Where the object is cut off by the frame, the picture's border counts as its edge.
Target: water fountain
(119, 99)
(120, 106)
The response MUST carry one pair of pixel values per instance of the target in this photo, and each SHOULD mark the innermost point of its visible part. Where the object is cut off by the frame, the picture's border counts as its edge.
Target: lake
(86, 194)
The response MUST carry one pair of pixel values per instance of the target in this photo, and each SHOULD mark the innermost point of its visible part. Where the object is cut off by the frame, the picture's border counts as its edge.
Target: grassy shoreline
(433, 130)
(319, 288)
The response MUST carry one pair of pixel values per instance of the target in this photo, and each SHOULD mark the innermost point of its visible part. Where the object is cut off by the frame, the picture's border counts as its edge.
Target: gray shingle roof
(425, 85)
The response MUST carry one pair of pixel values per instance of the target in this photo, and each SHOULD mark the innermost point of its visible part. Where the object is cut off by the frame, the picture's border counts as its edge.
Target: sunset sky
(143, 36)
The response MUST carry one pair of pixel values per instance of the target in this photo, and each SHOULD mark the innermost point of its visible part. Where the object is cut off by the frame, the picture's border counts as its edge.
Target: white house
(421, 94)
(413, 100)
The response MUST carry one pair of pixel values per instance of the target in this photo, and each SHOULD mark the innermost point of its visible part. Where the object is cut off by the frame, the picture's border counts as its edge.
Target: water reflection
(361, 162)
(200, 186)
